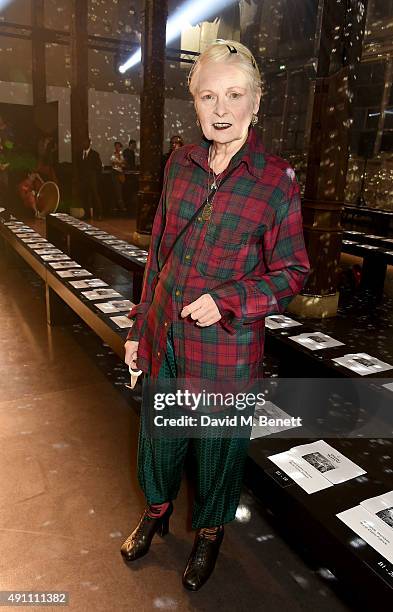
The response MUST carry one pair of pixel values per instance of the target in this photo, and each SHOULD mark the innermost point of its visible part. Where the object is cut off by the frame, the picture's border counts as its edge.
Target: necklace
(211, 187)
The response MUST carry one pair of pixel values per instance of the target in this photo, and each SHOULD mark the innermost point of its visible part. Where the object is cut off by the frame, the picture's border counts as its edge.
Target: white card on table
(114, 306)
(122, 321)
(280, 322)
(316, 341)
(62, 265)
(89, 282)
(99, 294)
(334, 466)
(362, 363)
(73, 273)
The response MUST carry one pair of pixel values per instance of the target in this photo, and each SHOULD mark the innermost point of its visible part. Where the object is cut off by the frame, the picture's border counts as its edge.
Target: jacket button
(188, 256)
(199, 218)
(177, 292)
(166, 323)
(158, 353)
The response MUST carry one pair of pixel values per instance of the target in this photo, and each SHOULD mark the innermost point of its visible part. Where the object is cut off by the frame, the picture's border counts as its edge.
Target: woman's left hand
(203, 310)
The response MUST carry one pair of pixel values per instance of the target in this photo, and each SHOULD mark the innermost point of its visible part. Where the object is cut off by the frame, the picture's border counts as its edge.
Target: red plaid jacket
(249, 256)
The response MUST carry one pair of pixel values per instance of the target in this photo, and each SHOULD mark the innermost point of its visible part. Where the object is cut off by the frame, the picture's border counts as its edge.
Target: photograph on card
(114, 306)
(89, 282)
(100, 294)
(122, 321)
(73, 273)
(62, 265)
(316, 341)
(362, 363)
(280, 322)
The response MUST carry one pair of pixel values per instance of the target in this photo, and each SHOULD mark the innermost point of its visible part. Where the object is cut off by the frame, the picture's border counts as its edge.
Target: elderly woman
(234, 211)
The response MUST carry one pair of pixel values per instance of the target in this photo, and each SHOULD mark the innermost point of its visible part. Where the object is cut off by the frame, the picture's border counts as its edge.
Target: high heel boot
(202, 558)
(138, 543)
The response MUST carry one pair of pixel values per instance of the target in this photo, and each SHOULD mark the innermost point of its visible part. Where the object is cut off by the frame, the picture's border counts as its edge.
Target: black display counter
(377, 219)
(377, 254)
(61, 231)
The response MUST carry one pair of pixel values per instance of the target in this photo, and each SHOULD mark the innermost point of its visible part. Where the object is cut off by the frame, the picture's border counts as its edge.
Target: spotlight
(191, 12)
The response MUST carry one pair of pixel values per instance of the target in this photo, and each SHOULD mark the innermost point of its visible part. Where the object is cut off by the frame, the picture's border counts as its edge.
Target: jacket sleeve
(287, 266)
(138, 312)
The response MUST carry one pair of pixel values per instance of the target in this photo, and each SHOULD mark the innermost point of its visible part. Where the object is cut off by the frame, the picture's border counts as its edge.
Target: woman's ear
(257, 100)
(196, 112)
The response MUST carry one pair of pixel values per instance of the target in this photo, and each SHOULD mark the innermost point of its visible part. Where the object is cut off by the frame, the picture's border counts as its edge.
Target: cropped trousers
(218, 464)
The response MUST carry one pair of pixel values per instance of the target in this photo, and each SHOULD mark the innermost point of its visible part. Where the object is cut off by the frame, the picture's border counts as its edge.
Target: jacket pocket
(227, 255)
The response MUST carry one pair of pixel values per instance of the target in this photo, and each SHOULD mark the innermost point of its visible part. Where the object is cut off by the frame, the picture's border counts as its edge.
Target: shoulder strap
(181, 233)
(194, 216)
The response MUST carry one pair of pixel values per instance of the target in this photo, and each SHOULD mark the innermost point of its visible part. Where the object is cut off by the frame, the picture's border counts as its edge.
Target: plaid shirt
(249, 256)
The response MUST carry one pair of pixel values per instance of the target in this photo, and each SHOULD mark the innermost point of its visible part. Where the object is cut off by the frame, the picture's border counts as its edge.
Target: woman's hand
(131, 348)
(204, 310)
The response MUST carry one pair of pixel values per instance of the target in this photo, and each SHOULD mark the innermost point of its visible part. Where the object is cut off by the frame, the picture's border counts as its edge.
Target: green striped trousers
(219, 465)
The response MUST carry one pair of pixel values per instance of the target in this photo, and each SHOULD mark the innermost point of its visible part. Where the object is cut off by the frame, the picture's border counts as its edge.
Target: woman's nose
(220, 108)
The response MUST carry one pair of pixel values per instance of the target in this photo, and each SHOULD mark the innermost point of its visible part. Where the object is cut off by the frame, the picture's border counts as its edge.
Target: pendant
(207, 211)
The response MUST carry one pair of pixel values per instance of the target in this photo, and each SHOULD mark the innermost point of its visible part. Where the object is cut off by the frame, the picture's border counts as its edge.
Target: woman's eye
(207, 97)
(234, 95)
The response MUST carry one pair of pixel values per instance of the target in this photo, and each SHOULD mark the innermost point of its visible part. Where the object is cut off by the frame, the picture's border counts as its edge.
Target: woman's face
(176, 144)
(224, 102)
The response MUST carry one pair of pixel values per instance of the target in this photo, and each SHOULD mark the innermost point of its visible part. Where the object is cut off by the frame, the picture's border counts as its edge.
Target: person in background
(118, 166)
(3, 182)
(6, 146)
(91, 170)
(28, 189)
(47, 151)
(175, 143)
(129, 155)
(6, 136)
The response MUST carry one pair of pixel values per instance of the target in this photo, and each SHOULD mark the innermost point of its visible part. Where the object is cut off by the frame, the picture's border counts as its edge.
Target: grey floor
(69, 493)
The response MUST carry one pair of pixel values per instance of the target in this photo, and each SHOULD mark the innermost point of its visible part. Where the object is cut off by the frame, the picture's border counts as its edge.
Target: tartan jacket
(249, 256)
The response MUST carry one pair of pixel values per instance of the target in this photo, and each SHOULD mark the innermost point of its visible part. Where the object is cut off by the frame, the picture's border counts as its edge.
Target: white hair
(227, 51)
